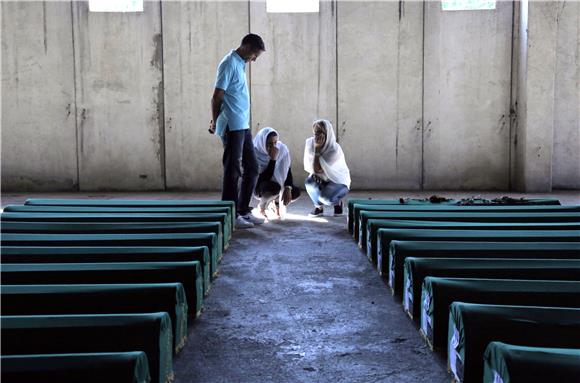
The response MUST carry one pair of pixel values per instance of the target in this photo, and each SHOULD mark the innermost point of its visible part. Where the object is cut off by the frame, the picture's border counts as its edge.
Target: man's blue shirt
(235, 110)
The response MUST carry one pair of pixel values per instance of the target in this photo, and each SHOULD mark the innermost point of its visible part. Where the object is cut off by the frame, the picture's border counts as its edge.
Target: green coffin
(120, 217)
(67, 334)
(110, 240)
(400, 250)
(359, 209)
(115, 228)
(473, 326)
(100, 299)
(129, 367)
(479, 216)
(186, 273)
(508, 363)
(439, 293)
(135, 203)
(385, 236)
(374, 225)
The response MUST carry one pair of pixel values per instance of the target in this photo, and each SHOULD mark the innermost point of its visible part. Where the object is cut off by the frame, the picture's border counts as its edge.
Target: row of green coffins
(119, 266)
(371, 222)
(407, 202)
(441, 213)
(386, 236)
(374, 226)
(533, 282)
(446, 260)
(355, 206)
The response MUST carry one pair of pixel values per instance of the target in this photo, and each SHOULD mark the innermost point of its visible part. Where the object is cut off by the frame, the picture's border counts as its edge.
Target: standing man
(230, 108)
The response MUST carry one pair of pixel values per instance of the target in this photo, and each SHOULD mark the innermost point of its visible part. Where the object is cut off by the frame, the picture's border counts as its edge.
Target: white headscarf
(331, 157)
(283, 161)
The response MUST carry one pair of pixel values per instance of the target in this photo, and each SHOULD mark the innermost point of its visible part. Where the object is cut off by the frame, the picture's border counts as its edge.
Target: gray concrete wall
(566, 153)
(294, 81)
(119, 66)
(536, 95)
(193, 156)
(379, 92)
(467, 97)
(128, 94)
(38, 108)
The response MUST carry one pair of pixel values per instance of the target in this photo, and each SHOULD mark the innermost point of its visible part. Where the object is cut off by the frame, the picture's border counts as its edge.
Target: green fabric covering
(66, 334)
(360, 208)
(508, 363)
(385, 236)
(463, 216)
(99, 240)
(439, 293)
(186, 273)
(417, 269)
(100, 299)
(473, 326)
(120, 217)
(116, 227)
(56, 254)
(122, 367)
(471, 201)
(400, 250)
(134, 203)
(373, 226)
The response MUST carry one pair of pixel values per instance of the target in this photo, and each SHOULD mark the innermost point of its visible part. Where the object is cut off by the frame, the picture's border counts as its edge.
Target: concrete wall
(566, 152)
(536, 95)
(119, 72)
(38, 108)
(419, 98)
(467, 83)
(379, 92)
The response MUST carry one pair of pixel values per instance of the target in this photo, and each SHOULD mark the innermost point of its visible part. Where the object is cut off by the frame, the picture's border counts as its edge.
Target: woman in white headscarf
(275, 181)
(329, 178)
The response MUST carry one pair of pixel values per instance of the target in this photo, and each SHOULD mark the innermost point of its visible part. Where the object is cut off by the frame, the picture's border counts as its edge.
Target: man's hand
(211, 129)
(273, 152)
(287, 195)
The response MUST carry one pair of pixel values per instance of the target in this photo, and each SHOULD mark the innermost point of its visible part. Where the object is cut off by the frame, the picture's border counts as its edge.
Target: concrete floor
(297, 302)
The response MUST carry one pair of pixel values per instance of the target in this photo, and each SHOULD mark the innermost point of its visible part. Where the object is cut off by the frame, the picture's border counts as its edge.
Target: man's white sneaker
(253, 219)
(242, 223)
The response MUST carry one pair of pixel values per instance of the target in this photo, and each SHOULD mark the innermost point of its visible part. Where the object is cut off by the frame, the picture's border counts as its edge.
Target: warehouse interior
(452, 255)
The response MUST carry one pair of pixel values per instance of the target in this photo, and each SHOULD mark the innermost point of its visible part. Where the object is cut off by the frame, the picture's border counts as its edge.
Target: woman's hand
(287, 195)
(316, 165)
(273, 152)
(319, 140)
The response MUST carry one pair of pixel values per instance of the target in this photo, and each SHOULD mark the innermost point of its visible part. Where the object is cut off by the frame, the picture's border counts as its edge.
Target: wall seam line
(72, 27)
(161, 103)
(423, 103)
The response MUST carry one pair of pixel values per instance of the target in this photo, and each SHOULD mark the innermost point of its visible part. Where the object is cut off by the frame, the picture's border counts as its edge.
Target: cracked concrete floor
(297, 302)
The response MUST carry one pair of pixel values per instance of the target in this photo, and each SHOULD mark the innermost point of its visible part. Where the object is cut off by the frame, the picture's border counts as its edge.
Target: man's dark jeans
(239, 161)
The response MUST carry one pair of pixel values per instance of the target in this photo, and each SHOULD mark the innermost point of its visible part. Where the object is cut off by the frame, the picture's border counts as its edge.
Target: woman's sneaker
(338, 209)
(242, 223)
(316, 212)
